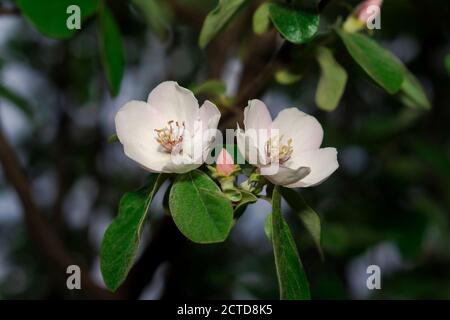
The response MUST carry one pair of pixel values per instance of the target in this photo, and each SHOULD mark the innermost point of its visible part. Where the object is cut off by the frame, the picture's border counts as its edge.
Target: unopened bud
(225, 164)
(366, 14)
(363, 10)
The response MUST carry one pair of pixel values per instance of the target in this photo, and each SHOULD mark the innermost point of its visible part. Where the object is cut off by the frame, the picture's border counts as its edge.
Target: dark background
(388, 203)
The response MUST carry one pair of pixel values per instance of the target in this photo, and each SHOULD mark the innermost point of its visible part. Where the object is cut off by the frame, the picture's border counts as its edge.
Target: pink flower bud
(224, 163)
(363, 10)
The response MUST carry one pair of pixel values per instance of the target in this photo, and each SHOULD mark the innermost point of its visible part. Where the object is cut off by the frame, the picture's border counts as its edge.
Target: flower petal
(249, 149)
(135, 122)
(286, 176)
(175, 103)
(322, 162)
(198, 143)
(305, 131)
(209, 115)
(181, 164)
(256, 115)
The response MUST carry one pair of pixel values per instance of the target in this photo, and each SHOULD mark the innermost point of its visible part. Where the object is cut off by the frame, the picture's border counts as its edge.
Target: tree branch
(9, 11)
(41, 232)
(187, 14)
(260, 64)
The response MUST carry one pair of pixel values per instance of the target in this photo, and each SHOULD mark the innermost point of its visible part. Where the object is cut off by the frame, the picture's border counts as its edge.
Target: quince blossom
(286, 150)
(168, 133)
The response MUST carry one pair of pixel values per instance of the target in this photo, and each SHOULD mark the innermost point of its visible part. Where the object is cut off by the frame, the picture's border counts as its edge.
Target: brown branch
(9, 11)
(187, 14)
(41, 232)
(60, 145)
(258, 71)
(228, 40)
(260, 64)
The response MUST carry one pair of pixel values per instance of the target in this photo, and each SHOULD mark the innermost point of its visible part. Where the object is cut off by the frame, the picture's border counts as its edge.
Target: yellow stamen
(276, 151)
(171, 135)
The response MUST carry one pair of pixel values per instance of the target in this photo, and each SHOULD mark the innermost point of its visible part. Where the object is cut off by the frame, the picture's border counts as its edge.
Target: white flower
(169, 132)
(290, 144)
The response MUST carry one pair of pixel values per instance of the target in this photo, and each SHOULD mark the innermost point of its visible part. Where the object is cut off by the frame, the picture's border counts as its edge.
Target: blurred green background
(388, 204)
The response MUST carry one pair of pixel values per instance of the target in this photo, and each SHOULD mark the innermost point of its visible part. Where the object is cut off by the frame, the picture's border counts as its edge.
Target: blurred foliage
(388, 204)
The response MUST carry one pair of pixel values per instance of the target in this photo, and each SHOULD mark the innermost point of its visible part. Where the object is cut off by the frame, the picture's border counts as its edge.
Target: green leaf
(199, 209)
(306, 214)
(374, 128)
(155, 16)
(381, 65)
(121, 240)
(218, 18)
(296, 25)
(113, 138)
(286, 77)
(268, 226)
(16, 100)
(447, 63)
(333, 79)
(111, 49)
(291, 276)
(213, 87)
(261, 19)
(247, 198)
(412, 93)
(50, 18)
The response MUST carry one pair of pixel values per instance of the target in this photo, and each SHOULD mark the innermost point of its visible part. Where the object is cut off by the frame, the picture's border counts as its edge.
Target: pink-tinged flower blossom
(290, 143)
(168, 133)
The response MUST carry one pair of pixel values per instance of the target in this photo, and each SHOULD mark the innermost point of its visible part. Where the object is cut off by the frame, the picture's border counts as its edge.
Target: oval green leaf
(212, 87)
(292, 279)
(447, 63)
(296, 25)
(218, 18)
(306, 214)
(268, 226)
(333, 79)
(155, 15)
(247, 198)
(121, 240)
(51, 18)
(111, 49)
(199, 209)
(381, 65)
(261, 19)
(286, 77)
(412, 93)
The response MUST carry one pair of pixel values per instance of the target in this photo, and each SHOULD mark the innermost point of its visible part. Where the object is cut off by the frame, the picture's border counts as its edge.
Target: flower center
(277, 151)
(171, 135)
